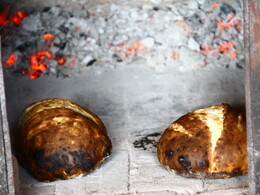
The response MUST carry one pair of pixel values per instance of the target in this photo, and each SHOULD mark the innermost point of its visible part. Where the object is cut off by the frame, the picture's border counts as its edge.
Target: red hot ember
(129, 50)
(61, 61)
(16, 18)
(4, 16)
(214, 6)
(48, 39)
(10, 62)
(231, 23)
(37, 61)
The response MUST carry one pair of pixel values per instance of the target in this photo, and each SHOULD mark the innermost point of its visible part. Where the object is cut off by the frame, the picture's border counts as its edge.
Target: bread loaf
(206, 143)
(58, 140)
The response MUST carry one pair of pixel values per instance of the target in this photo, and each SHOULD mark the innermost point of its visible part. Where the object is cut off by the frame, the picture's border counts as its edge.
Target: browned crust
(189, 153)
(59, 139)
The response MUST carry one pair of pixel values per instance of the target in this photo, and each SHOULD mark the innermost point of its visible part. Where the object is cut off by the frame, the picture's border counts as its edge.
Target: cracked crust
(60, 140)
(206, 143)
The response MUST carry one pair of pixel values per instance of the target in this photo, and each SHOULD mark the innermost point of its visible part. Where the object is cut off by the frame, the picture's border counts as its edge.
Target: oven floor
(136, 103)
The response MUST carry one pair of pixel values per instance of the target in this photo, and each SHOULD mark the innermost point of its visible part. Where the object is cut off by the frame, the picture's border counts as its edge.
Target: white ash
(109, 36)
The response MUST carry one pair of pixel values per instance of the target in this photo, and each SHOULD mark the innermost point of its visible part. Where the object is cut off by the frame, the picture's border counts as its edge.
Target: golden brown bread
(58, 139)
(205, 143)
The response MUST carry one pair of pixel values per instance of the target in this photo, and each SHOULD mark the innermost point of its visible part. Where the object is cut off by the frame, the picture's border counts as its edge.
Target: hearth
(139, 65)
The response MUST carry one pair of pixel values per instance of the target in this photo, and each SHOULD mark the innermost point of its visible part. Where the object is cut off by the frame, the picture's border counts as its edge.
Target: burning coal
(16, 18)
(56, 41)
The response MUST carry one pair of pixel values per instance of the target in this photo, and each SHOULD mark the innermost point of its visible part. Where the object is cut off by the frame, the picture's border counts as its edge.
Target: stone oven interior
(139, 65)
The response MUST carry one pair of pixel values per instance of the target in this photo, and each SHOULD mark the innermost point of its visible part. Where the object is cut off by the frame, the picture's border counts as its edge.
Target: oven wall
(82, 3)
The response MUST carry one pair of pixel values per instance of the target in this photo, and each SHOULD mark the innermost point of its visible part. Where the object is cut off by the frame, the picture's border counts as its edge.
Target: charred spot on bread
(184, 161)
(208, 143)
(169, 153)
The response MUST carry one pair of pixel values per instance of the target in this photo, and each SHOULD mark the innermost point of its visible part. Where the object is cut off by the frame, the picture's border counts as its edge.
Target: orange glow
(18, 17)
(37, 63)
(234, 55)
(134, 48)
(175, 55)
(215, 5)
(223, 26)
(232, 16)
(232, 23)
(122, 45)
(206, 47)
(205, 50)
(60, 61)
(34, 74)
(237, 24)
(4, 16)
(128, 51)
(48, 37)
(225, 47)
(10, 61)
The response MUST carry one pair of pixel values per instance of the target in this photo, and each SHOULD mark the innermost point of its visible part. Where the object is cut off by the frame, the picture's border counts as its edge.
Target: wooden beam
(252, 88)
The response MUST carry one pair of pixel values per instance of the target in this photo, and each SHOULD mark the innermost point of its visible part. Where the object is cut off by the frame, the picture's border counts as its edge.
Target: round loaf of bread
(58, 140)
(206, 143)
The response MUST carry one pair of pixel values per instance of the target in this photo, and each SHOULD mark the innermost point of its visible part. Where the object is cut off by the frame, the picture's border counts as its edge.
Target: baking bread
(206, 143)
(58, 140)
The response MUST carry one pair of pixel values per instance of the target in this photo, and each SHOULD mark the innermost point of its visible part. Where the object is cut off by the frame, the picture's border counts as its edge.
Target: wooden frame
(252, 87)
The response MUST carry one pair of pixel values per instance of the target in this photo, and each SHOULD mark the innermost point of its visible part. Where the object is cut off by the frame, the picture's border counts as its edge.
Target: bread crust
(58, 139)
(206, 143)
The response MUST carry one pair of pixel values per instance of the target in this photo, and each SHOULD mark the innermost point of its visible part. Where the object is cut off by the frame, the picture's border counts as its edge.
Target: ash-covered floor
(139, 68)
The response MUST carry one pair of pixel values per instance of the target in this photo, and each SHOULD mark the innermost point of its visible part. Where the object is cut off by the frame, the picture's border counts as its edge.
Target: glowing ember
(37, 63)
(222, 26)
(34, 74)
(18, 17)
(225, 47)
(175, 55)
(135, 48)
(214, 6)
(205, 50)
(10, 61)
(48, 37)
(237, 24)
(129, 51)
(4, 16)
(122, 45)
(61, 61)
(232, 23)
(233, 55)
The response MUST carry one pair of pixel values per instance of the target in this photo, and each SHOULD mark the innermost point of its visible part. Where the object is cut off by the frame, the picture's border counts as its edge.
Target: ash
(188, 35)
(147, 142)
